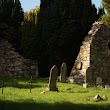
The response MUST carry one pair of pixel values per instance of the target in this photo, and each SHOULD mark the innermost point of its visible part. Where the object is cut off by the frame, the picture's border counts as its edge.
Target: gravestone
(53, 78)
(63, 72)
(85, 85)
(99, 81)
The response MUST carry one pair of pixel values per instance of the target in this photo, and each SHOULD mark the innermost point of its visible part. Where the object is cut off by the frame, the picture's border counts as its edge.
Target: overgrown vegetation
(106, 17)
(17, 96)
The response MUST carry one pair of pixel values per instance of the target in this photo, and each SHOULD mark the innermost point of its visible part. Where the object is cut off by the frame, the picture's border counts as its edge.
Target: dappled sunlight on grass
(70, 96)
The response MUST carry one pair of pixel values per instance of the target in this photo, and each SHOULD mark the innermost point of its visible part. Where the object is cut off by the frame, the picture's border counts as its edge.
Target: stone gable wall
(93, 60)
(13, 64)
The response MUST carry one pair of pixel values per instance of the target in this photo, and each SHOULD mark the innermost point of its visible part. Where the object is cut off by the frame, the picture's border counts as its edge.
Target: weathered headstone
(99, 81)
(53, 78)
(85, 85)
(63, 72)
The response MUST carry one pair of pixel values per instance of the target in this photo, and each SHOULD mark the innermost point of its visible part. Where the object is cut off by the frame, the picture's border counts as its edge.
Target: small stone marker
(53, 78)
(63, 72)
(2, 87)
(97, 98)
(85, 85)
(99, 81)
(71, 80)
(107, 86)
(30, 83)
(105, 98)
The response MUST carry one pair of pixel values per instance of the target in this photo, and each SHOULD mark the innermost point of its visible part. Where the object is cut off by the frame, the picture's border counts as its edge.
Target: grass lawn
(16, 96)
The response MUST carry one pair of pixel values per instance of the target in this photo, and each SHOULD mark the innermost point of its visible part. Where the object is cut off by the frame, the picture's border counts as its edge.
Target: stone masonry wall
(93, 60)
(99, 57)
(13, 64)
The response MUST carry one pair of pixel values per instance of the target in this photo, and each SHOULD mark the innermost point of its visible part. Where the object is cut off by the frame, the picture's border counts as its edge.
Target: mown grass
(16, 96)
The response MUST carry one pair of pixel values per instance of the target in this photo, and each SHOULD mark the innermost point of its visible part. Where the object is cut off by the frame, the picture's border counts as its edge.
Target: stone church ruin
(13, 64)
(93, 60)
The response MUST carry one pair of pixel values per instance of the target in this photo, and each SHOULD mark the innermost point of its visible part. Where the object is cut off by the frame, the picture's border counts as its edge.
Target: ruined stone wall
(93, 60)
(13, 64)
(100, 57)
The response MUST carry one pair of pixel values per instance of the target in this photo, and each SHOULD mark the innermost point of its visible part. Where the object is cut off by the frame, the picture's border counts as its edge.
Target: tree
(11, 16)
(106, 17)
(101, 12)
(28, 30)
(17, 14)
(62, 25)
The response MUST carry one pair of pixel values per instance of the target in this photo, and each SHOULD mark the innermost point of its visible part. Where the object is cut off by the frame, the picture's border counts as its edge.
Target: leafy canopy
(106, 18)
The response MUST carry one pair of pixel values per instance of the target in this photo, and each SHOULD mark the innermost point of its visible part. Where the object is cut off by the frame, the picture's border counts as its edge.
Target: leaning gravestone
(99, 81)
(63, 72)
(53, 78)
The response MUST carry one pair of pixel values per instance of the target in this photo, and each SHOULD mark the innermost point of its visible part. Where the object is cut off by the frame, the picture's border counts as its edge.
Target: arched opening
(79, 65)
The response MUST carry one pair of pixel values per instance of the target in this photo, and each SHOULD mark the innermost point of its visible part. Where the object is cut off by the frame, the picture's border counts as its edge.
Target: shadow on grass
(31, 105)
(82, 91)
(22, 82)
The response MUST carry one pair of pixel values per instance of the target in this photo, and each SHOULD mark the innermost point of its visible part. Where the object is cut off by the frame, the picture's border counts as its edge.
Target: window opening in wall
(79, 65)
(109, 48)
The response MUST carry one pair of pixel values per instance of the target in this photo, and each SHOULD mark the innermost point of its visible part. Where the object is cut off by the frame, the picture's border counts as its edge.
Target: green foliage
(11, 16)
(101, 12)
(106, 18)
(61, 28)
(28, 30)
(106, 4)
(17, 14)
(17, 96)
